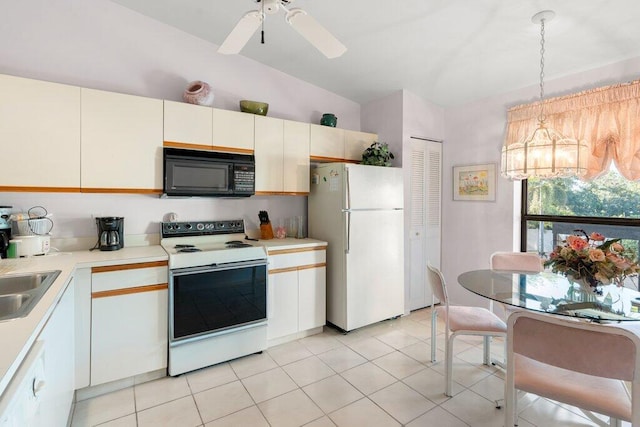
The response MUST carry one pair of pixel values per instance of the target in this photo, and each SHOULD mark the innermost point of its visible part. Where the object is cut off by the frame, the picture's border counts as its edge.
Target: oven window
(210, 301)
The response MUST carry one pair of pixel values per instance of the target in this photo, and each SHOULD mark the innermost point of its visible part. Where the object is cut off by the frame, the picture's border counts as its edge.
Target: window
(552, 209)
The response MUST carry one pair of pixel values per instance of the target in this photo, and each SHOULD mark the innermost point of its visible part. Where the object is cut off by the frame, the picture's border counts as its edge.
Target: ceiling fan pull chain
(262, 30)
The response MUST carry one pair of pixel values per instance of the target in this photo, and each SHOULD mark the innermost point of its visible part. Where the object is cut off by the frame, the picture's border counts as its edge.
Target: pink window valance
(607, 118)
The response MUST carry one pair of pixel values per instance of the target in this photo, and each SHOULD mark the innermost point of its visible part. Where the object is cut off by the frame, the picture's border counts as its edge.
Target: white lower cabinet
(297, 291)
(312, 297)
(59, 363)
(129, 309)
(283, 304)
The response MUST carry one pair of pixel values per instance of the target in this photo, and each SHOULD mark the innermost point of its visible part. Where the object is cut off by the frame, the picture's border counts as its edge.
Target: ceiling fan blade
(315, 33)
(241, 33)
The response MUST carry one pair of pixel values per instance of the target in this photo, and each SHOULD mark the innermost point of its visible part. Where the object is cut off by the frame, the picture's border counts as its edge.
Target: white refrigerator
(358, 210)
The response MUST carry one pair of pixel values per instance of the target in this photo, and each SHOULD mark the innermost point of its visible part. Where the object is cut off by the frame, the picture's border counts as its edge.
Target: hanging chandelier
(545, 153)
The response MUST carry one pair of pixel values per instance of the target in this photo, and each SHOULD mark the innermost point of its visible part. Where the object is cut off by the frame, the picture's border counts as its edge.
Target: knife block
(266, 232)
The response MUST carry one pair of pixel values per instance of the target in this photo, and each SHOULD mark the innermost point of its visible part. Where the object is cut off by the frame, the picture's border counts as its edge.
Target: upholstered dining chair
(578, 363)
(459, 320)
(516, 261)
(526, 262)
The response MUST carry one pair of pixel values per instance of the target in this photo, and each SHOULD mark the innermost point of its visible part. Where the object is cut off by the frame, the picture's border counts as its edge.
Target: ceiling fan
(303, 23)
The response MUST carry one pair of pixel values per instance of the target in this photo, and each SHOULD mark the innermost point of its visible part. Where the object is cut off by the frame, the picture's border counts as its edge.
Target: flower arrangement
(593, 259)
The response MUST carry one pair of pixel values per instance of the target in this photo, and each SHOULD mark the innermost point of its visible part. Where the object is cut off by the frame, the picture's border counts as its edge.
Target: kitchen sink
(19, 293)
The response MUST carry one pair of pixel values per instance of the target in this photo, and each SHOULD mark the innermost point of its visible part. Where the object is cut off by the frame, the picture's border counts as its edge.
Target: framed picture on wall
(475, 182)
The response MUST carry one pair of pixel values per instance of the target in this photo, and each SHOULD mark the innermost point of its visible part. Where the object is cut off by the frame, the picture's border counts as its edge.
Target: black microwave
(208, 173)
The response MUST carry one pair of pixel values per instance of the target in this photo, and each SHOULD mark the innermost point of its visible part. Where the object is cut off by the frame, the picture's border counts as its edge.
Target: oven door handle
(218, 267)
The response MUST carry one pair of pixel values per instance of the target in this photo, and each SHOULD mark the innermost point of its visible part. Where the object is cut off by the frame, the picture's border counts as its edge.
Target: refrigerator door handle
(346, 251)
(346, 177)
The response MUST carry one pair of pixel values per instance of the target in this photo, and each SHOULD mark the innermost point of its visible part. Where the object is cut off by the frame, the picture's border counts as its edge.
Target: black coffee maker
(110, 233)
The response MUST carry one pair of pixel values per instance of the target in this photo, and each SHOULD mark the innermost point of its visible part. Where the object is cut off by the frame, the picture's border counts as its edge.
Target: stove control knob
(200, 226)
(221, 225)
(188, 226)
(209, 226)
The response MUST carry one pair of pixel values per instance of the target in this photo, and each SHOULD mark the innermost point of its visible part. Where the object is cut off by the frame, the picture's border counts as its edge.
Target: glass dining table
(553, 293)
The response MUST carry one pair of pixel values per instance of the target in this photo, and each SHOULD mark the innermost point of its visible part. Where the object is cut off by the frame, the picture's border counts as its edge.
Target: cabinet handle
(37, 386)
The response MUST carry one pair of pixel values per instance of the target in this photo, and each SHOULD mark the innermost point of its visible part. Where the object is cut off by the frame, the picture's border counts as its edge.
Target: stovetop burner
(188, 248)
(237, 244)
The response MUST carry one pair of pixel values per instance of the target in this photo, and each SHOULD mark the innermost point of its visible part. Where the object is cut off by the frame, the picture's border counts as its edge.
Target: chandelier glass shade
(545, 153)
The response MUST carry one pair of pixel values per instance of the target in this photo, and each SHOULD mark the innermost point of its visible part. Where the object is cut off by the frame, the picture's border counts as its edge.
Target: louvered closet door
(425, 201)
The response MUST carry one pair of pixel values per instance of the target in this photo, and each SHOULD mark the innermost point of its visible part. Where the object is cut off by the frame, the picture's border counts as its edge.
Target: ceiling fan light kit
(546, 153)
(299, 20)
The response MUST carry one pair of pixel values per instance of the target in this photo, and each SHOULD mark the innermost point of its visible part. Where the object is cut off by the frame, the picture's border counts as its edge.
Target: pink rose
(596, 255)
(596, 237)
(576, 243)
(617, 247)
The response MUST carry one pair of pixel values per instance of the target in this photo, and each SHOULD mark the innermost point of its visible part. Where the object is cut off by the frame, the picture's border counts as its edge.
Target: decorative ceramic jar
(329, 119)
(199, 93)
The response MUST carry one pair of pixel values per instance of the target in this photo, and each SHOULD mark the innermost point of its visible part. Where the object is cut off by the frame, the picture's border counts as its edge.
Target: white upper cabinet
(188, 124)
(327, 143)
(233, 131)
(121, 143)
(40, 135)
(296, 157)
(356, 142)
(269, 140)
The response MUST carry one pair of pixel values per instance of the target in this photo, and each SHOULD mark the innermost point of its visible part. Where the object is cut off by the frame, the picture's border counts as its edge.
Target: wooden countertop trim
(281, 193)
(310, 266)
(176, 144)
(127, 291)
(119, 267)
(122, 190)
(232, 149)
(297, 267)
(189, 146)
(332, 159)
(41, 189)
(295, 250)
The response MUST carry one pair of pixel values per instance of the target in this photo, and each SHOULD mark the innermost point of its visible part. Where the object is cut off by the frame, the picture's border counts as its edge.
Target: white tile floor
(376, 376)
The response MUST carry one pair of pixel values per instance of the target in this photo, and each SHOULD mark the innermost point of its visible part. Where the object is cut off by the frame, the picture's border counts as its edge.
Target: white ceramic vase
(199, 93)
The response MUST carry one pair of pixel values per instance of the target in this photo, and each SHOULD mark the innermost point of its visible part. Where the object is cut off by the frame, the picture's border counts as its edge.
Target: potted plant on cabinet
(377, 154)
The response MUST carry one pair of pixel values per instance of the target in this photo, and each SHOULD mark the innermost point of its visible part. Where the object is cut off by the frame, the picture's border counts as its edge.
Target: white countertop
(290, 243)
(18, 335)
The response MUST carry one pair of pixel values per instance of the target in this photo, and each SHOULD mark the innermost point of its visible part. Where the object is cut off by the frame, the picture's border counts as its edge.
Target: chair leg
(486, 347)
(614, 422)
(511, 400)
(434, 320)
(448, 377)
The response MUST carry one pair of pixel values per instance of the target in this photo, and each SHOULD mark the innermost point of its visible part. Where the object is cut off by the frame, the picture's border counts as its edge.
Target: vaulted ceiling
(449, 52)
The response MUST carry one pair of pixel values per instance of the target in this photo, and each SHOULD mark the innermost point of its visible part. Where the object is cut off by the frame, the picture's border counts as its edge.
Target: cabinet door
(356, 142)
(282, 304)
(188, 124)
(121, 143)
(58, 339)
(129, 320)
(296, 157)
(233, 131)
(326, 143)
(269, 154)
(128, 335)
(40, 134)
(312, 297)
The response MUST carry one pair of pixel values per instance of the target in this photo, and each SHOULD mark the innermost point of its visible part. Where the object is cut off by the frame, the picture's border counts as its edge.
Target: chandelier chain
(541, 117)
